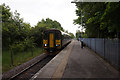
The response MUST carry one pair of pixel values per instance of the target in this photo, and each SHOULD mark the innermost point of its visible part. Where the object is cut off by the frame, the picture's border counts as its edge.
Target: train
(54, 39)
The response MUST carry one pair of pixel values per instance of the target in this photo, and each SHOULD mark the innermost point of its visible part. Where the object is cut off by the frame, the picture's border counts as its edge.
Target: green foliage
(13, 27)
(100, 19)
(21, 46)
(29, 43)
(48, 24)
(37, 31)
(18, 58)
(85, 35)
(72, 35)
(78, 34)
(17, 47)
(17, 34)
(81, 34)
(6, 14)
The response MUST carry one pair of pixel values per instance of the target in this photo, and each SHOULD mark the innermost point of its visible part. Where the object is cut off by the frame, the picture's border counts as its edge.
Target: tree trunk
(11, 57)
(32, 51)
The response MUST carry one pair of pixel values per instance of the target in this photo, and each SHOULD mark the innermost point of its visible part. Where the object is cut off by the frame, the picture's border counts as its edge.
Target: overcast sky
(33, 11)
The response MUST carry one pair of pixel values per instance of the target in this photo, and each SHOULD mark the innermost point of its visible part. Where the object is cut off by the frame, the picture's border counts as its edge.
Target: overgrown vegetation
(21, 41)
(100, 19)
(16, 31)
(18, 58)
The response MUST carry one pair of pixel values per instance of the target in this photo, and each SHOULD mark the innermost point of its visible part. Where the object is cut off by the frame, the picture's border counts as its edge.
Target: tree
(100, 19)
(13, 27)
(6, 22)
(37, 34)
(72, 35)
(48, 24)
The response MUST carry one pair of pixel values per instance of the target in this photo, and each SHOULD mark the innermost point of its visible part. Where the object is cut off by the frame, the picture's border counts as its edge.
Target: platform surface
(76, 63)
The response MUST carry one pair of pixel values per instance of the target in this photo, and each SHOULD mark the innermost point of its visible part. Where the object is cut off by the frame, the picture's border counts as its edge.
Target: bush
(17, 47)
(22, 45)
(28, 43)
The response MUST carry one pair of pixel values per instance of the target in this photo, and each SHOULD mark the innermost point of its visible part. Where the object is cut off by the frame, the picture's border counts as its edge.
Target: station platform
(75, 62)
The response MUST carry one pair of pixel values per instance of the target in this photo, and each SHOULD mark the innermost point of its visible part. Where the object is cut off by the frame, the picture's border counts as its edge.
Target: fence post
(87, 42)
(118, 49)
(11, 52)
(95, 45)
(104, 48)
(32, 51)
(90, 43)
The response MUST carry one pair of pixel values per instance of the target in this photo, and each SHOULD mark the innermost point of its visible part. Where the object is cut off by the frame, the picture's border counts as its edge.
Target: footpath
(75, 62)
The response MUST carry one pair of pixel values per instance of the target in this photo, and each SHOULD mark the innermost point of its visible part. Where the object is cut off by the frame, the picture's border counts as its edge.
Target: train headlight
(57, 45)
(45, 45)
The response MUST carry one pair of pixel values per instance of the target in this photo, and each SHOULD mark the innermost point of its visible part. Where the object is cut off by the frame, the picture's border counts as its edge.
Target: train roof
(52, 30)
(64, 33)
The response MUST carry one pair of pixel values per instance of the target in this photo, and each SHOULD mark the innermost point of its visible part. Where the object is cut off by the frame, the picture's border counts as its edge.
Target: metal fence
(109, 49)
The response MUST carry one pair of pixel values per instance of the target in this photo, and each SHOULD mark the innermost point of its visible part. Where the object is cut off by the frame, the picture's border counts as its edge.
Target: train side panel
(65, 41)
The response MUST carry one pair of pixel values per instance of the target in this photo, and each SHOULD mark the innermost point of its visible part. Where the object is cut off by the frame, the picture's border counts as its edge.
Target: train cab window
(45, 35)
(58, 35)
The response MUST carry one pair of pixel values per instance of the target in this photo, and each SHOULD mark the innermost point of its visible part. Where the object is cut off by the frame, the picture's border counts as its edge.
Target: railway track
(31, 70)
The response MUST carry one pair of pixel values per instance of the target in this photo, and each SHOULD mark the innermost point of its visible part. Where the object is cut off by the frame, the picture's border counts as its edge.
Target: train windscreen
(58, 35)
(45, 35)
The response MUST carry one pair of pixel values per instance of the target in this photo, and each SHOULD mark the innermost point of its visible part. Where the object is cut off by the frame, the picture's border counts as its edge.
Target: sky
(33, 11)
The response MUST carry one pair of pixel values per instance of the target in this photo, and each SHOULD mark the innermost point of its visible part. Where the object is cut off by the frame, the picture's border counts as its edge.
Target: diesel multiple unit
(54, 39)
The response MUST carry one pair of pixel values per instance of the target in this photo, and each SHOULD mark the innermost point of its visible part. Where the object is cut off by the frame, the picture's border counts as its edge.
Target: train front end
(52, 40)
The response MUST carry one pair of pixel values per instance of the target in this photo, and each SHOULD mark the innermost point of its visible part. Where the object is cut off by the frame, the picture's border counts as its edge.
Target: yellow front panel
(51, 40)
(45, 42)
(58, 42)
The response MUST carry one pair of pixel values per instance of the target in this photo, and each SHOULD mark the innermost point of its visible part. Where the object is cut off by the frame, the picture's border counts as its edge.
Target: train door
(51, 40)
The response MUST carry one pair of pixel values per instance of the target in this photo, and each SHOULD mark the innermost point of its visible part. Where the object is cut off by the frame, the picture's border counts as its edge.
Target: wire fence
(109, 49)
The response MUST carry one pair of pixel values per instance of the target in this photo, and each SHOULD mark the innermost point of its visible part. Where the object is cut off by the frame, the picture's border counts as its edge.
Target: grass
(18, 58)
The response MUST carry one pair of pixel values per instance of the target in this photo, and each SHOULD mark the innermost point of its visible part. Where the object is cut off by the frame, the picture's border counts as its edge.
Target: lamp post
(75, 1)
